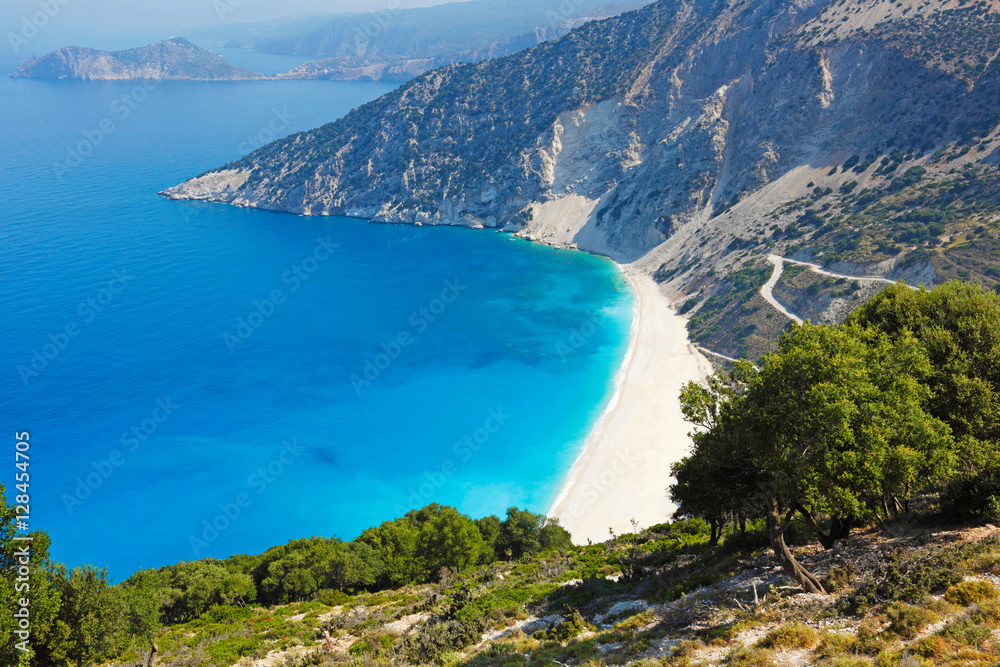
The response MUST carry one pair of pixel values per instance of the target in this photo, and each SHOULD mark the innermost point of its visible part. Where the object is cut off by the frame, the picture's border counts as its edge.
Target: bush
(907, 578)
(742, 656)
(791, 636)
(434, 640)
(976, 497)
(966, 593)
(986, 613)
(907, 621)
(833, 644)
(849, 662)
(572, 625)
(839, 577)
(965, 633)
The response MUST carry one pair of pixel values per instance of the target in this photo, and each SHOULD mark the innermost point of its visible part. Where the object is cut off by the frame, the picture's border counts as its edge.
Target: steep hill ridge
(692, 136)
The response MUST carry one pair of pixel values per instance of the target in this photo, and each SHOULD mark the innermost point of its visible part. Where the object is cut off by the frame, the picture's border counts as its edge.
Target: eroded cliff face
(661, 135)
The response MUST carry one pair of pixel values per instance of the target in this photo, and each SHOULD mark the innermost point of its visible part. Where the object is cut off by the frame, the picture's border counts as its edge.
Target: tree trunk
(809, 583)
(743, 524)
(714, 539)
(840, 527)
(152, 656)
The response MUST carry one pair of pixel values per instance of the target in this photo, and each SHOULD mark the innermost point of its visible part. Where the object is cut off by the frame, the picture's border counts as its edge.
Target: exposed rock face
(662, 134)
(175, 58)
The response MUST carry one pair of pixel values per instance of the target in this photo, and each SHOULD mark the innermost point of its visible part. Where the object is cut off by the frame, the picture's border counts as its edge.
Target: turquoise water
(180, 365)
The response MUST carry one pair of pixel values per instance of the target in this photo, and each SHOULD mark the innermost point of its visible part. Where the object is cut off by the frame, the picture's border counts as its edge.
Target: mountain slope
(175, 58)
(403, 66)
(693, 136)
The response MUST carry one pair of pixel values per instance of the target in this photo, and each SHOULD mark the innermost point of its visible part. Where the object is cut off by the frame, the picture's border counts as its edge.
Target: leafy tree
(395, 542)
(489, 528)
(35, 587)
(523, 533)
(713, 485)
(832, 424)
(959, 326)
(294, 571)
(188, 590)
(92, 625)
(553, 536)
(355, 565)
(144, 598)
(447, 539)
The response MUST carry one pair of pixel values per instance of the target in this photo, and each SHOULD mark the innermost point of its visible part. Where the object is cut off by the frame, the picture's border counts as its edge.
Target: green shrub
(839, 578)
(974, 497)
(572, 625)
(908, 578)
(833, 644)
(965, 593)
(502, 654)
(743, 656)
(934, 647)
(965, 632)
(907, 620)
(986, 613)
(851, 661)
(435, 639)
(790, 636)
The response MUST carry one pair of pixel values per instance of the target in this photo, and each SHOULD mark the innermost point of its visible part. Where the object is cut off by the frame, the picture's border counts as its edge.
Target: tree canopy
(832, 424)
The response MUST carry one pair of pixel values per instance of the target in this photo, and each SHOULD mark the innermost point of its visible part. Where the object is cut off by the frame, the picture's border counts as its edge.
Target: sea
(199, 380)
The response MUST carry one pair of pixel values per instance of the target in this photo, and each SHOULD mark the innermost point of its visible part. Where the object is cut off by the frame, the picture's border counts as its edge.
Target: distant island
(172, 59)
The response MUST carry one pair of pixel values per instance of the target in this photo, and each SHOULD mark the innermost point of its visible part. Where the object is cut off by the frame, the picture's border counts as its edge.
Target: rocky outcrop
(175, 58)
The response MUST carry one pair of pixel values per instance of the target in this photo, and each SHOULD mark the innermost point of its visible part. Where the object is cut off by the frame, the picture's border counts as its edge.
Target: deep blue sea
(202, 380)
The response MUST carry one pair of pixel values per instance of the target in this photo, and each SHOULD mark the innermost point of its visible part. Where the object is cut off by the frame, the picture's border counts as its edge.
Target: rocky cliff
(175, 58)
(692, 137)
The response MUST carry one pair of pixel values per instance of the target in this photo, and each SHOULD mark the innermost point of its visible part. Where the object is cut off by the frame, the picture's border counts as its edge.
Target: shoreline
(623, 471)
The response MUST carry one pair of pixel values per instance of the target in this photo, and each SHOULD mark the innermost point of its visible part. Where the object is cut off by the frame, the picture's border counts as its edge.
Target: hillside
(919, 593)
(693, 138)
(173, 59)
(372, 61)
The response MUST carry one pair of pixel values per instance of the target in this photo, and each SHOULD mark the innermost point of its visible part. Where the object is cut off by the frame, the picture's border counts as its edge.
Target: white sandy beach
(624, 470)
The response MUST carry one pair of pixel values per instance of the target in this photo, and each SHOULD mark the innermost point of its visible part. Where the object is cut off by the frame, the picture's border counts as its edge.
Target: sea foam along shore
(624, 469)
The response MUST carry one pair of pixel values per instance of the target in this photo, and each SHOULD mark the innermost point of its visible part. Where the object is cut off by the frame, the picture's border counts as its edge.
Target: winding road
(767, 291)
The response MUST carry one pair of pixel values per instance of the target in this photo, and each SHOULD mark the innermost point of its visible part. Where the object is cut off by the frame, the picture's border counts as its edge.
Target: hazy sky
(113, 24)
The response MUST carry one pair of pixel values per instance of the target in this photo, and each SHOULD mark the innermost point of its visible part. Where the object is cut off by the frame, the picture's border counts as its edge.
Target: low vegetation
(862, 499)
